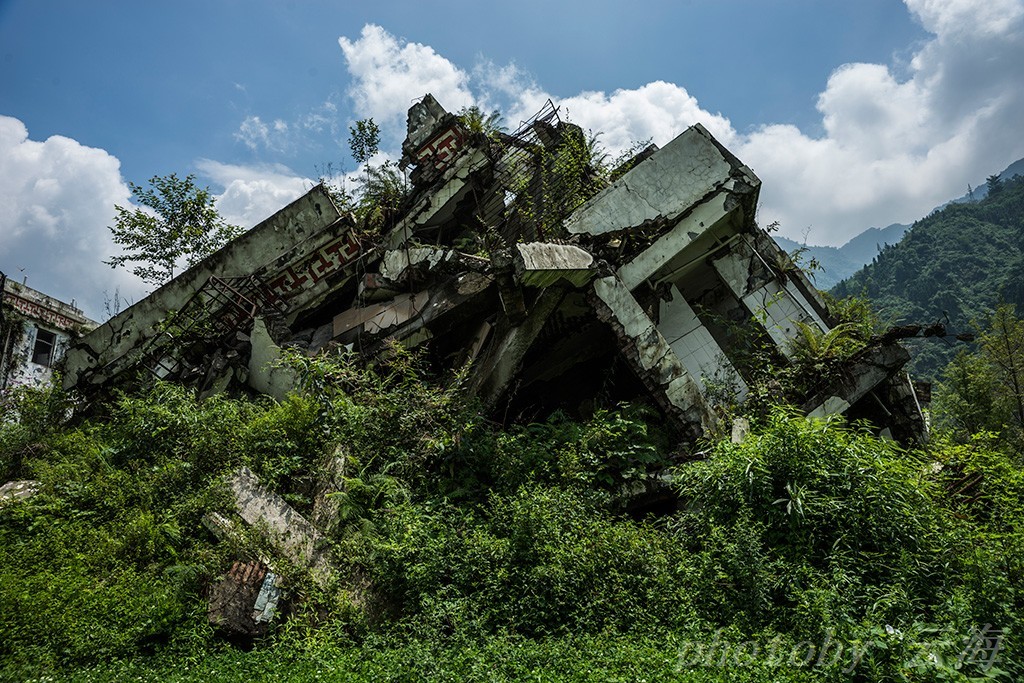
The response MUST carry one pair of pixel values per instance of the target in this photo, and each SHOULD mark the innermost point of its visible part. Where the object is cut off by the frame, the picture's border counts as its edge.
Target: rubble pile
(561, 287)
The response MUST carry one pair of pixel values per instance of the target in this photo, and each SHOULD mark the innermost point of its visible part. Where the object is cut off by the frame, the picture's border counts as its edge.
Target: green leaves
(176, 224)
(364, 140)
(476, 121)
(984, 390)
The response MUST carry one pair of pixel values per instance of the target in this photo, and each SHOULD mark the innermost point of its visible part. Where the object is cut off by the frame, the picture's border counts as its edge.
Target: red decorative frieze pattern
(39, 312)
(442, 148)
(328, 259)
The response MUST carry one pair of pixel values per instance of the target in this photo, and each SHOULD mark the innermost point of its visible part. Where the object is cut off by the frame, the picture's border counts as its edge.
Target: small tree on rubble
(176, 224)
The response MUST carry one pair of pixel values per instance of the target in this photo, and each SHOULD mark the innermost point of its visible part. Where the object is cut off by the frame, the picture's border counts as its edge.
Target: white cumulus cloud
(388, 75)
(252, 192)
(896, 141)
(57, 198)
(895, 148)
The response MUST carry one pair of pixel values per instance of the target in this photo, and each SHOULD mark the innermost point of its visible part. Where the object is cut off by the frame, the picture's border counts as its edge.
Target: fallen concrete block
(245, 600)
(290, 533)
(14, 491)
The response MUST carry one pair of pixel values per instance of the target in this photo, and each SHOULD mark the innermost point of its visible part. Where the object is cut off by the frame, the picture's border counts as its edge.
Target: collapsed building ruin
(560, 288)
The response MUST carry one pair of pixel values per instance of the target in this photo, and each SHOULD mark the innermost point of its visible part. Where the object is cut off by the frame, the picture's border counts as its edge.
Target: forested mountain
(953, 266)
(979, 190)
(838, 263)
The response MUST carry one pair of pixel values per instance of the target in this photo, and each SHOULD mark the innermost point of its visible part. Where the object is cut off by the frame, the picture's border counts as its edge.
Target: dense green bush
(501, 551)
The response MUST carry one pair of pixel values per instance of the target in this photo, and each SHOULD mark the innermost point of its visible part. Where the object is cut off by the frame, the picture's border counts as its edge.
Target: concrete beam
(662, 187)
(506, 354)
(541, 264)
(669, 246)
(652, 358)
(288, 531)
(866, 371)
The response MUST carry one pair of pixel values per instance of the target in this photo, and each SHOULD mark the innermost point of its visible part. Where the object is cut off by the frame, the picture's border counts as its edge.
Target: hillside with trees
(954, 266)
(835, 264)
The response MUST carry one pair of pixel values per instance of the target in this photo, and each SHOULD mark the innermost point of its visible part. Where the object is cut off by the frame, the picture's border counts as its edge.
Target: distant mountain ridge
(980, 189)
(954, 266)
(838, 263)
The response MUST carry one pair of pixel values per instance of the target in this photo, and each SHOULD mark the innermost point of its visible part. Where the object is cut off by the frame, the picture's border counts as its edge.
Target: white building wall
(697, 350)
(778, 305)
(24, 372)
(28, 314)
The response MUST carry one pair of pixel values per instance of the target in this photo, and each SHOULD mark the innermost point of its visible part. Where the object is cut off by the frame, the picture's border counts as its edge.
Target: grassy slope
(496, 554)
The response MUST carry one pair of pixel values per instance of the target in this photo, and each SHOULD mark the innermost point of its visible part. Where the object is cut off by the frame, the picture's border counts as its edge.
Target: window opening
(42, 354)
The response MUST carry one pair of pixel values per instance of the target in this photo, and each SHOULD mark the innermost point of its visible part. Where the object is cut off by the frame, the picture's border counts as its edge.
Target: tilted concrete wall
(109, 348)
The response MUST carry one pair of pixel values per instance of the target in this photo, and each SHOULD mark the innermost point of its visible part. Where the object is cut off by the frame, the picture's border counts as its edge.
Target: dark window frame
(44, 347)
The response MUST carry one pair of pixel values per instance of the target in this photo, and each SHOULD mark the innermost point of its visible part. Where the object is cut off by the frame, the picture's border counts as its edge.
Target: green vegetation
(503, 554)
(178, 223)
(983, 391)
(378, 192)
(956, 265)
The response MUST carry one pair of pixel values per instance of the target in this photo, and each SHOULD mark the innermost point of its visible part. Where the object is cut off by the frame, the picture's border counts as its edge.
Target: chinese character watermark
(979, 650)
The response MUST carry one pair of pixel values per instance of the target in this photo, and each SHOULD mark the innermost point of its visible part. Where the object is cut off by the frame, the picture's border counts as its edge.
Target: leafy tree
(176, 221)
(476, 121)
(1002, 346)
(381, 188)
(985, 390)
(994, 183)
(364, 140)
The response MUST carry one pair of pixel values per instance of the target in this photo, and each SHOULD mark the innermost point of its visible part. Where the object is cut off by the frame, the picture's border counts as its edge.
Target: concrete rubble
(245, 600)
(14, 491)
(561, 287)
(291, 534)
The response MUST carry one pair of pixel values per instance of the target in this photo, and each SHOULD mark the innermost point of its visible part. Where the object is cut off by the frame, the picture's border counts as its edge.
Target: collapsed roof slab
(863, 373)
(542, 264)
(667, 186)
(116, 345)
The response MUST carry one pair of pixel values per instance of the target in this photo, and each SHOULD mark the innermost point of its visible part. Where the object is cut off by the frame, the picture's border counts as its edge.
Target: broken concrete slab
(542, 264)
(289, 532)
(864, 372)
(380, 317)
(662, 188)
(14, 491)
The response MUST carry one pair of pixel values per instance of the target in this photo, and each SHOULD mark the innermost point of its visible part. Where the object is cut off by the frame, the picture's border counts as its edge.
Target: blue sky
(852, 113)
